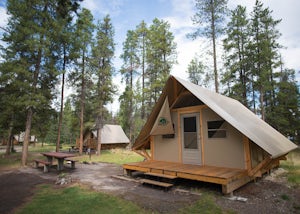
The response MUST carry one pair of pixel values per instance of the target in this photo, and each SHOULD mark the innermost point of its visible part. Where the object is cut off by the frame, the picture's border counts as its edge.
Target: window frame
(218, 132)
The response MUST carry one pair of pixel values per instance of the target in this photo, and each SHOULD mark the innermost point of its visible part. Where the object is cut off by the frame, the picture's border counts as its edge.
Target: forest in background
(48, 44)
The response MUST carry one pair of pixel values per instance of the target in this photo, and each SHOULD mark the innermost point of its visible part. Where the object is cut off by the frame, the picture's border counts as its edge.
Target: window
(216, 129)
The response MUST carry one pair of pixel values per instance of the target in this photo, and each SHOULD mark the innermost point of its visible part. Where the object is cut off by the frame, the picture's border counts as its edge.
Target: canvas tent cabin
(194, 133)
(112, 136)
(17, 139)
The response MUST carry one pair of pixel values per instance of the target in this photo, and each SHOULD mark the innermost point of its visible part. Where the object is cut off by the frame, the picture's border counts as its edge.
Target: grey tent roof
(234, 113)
(111, 134)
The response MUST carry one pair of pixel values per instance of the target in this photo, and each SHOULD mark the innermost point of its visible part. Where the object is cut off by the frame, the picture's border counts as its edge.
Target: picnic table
(60, 156)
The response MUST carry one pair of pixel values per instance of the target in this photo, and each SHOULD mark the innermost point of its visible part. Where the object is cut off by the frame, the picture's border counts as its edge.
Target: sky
(127, 14)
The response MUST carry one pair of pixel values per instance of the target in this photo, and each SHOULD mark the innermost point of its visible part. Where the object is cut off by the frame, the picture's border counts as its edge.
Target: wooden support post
(247, 153)
(255, 170)
(231, 186)
(127, 172)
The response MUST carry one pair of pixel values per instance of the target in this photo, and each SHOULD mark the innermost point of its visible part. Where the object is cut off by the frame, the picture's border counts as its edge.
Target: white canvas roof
(233, 112)
(111, 134)
(243, 120)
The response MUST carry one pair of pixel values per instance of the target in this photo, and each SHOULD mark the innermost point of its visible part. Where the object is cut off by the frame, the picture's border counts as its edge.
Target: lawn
(292, 165)
(76, 199)
(117, 156)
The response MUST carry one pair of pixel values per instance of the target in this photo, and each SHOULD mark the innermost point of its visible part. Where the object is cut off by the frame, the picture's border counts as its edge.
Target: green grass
(205, 205)
(292, 165)
(39, 148)
(11, 161)
(76, 200)
(117, 156)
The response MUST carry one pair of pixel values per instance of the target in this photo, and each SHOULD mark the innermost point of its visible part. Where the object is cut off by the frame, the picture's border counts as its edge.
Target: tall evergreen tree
(29, 45)
(129, 71)
(161, 56)
(264, 50)
(285, 115)
(210, 17)
(64, 32)
(101, 64)
(237, 61)
(142, 36)
(82, 50)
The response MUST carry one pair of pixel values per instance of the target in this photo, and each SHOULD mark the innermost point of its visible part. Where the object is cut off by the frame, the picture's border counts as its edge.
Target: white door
(191, 145)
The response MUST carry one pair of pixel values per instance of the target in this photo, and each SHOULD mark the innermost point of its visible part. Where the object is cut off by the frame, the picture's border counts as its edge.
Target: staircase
(157, 179)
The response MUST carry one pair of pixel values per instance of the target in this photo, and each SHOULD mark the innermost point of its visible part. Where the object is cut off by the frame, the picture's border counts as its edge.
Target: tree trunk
(9, 140)
(99, 126)
(213, 30)
(82, 101)
(27, 136)
(99, 141)
(61, 103)
(143, 80)
(262, 107)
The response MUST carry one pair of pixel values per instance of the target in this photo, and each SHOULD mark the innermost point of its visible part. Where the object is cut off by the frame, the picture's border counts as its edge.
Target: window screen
(190, 133)
(216, 129)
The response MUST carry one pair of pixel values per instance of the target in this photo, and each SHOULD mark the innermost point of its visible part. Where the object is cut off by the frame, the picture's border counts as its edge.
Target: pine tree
(129, 71)
(29, 43)
(210, 17)
(161, 56)
(142, 36)
(285, 115)
(64, 45)
(264, 50)
(196, 71)
(102, 67)
(80, 78)
(235, 43)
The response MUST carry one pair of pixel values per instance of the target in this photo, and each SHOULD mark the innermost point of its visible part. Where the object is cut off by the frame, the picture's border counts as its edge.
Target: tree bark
(99, 141)
(61, 103)
(27, 136)
(213, 30)
(82, 101)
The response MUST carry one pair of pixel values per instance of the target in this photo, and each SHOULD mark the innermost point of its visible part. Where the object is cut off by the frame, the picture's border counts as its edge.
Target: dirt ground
(270, 195)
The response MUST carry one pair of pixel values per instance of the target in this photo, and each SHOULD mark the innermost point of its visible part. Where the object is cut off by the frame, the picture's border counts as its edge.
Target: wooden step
(160, 175)
(156, 183)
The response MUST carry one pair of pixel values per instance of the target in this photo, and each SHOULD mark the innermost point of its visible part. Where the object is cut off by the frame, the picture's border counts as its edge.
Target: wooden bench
(72, 162)
(156, 183)
(45, 163)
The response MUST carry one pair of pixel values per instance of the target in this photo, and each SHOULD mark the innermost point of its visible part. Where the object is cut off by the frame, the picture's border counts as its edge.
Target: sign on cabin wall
(163, 124)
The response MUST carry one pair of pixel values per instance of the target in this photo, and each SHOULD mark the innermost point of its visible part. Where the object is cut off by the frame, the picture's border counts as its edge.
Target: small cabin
(112, 137)
(197, 134)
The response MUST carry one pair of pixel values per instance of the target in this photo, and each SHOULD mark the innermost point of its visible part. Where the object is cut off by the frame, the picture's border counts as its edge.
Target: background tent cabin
(112, 136)
(216, 139)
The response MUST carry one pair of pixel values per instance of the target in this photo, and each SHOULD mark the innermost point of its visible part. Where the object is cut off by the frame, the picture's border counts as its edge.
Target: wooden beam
(230, 187)
(152, 147)
(247, 154)
(202, 137)
(190, 109)
(135, 168)
(179, 137)
(254, 171)
(143, 153)
(178, 95)
(202, 178)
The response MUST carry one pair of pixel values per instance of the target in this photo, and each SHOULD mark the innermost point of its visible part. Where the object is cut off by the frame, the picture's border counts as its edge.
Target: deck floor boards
(214, 173)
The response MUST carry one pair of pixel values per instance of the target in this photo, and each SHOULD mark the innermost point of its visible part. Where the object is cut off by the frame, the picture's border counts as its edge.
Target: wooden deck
(229, 178)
